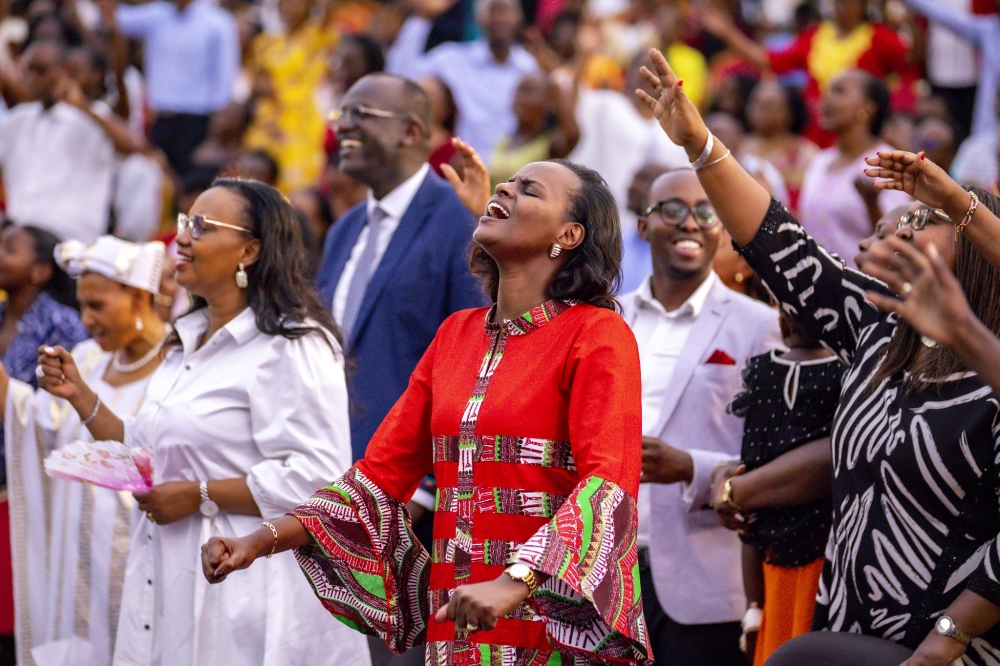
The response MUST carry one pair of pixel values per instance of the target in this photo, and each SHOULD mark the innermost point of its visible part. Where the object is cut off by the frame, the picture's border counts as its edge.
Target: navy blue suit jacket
(422, 278)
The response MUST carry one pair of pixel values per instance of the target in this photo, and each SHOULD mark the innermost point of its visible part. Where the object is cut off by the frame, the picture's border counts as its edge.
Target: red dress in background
(872, 47)
(533, 431)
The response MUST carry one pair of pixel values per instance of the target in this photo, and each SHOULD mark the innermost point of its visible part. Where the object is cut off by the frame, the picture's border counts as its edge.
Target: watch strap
(203, 489)
(953, 632)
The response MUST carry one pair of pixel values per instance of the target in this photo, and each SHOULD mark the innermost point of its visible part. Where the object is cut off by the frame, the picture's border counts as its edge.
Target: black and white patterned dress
(915, 491)
(785, 404)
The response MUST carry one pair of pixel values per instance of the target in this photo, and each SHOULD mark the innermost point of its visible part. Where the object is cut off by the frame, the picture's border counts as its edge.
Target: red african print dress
(533, 431)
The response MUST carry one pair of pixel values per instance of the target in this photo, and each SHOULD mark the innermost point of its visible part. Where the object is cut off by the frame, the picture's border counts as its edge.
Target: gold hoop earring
(555, 251)
(241, 278)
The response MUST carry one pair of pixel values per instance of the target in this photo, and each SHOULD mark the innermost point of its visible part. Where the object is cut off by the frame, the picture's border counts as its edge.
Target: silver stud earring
(555, 251)
(138, 323)
(241, 278)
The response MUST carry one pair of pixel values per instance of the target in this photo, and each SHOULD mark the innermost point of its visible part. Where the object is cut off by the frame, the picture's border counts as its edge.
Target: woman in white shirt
(246, 417)
(69, 540)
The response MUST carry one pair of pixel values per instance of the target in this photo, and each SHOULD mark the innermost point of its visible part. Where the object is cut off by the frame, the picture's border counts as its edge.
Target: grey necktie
(362, 271)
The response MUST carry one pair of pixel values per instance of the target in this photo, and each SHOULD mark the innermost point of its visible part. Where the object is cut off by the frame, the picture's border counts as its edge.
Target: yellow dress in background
(289, 123)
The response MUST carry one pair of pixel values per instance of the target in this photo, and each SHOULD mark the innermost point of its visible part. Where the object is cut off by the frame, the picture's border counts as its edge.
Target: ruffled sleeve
(592, 603)
(365, 564)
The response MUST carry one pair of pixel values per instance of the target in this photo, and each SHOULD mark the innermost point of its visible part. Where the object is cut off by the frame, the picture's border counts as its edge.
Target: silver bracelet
(90, 418)
(709, 145)
(714, 162)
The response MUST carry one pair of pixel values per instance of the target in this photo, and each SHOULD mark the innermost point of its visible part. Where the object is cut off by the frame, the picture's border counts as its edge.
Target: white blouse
(249, 405)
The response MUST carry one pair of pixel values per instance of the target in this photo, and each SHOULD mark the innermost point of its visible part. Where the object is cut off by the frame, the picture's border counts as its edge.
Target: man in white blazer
(694, 336)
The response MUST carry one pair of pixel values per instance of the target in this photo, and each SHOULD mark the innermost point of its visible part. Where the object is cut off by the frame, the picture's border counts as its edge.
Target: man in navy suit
(395, 266)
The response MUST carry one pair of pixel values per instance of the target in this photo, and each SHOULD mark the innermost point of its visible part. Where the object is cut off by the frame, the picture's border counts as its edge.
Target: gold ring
(149, 517)
(471, 628)
(905, 289)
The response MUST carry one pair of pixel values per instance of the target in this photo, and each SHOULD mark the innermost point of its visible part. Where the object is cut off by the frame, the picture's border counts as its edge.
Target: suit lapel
(695, 350)
(414, 218)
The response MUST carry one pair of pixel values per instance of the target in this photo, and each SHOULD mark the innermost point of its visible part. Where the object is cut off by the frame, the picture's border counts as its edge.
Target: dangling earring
(138, 323)
(555, 251)
(241, 278)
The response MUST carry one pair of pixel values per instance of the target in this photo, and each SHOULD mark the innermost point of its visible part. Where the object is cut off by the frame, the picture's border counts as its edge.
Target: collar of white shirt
(396, 202)
(190, 328)
(692, 306)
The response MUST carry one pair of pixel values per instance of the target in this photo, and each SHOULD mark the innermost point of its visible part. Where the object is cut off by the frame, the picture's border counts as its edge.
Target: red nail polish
(922, 156)
(680, 83)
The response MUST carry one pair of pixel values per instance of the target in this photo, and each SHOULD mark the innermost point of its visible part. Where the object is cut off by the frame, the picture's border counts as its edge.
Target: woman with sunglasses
(912, 556)
(246, 417)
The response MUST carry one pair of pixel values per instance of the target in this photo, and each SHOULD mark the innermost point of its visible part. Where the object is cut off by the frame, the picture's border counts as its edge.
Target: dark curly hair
(281, 298)
(591, 272)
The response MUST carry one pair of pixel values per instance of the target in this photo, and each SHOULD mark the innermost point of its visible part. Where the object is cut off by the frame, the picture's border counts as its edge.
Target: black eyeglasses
(675, 211)
(195, 224)
(355, 113)
(918, 219)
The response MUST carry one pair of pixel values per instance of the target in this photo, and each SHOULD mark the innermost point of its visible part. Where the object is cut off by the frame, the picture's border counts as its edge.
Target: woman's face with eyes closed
(529, 213)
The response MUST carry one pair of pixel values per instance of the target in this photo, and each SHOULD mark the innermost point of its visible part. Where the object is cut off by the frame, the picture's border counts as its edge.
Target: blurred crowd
(150, 102)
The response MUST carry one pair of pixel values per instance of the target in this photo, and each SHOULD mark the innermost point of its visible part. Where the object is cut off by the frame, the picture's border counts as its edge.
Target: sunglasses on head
(195, 225)
(675, 211)
(918, 219)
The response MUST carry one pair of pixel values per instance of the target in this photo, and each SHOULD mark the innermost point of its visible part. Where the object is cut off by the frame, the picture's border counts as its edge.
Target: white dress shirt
(251, 405)
(661, 336)
(58, 167)
(394, 205)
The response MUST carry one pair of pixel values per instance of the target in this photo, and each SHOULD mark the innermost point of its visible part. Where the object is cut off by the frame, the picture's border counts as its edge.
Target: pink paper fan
(107, 464)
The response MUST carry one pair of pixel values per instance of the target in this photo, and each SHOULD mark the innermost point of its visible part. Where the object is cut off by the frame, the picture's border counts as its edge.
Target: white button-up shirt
(58, 167)
(660, 336)
(394, 205)
(249, 405)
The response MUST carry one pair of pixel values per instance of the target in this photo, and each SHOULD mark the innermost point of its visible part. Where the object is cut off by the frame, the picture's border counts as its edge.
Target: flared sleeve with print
(365, 563)
(813, 287)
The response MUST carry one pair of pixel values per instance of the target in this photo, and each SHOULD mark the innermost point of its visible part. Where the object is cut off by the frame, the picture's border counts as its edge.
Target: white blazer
(695, 561)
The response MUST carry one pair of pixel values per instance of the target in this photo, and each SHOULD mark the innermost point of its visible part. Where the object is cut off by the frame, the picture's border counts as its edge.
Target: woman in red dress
(529, 415)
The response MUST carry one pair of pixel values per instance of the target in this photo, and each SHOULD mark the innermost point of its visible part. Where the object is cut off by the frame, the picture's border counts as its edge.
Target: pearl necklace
(126, 368)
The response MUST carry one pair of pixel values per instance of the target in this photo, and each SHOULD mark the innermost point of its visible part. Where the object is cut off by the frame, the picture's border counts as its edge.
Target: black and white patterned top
(785, 404)
(915, 490)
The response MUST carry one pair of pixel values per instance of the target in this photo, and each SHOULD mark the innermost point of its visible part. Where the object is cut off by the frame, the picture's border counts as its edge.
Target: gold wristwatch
(727, 496)
(523, 573)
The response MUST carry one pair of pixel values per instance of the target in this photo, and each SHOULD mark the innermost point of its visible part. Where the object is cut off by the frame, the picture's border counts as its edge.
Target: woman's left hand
(169, 502)
(930, 297)
(480, 605)
(936, 650)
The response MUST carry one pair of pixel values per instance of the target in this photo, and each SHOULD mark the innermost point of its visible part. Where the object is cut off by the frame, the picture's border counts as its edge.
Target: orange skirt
(789, 602)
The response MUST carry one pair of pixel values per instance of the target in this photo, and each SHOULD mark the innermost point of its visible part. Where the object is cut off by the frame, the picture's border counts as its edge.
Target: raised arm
(738, 199)
(930, 184)
(962, 23)
(60, 376)
(718, 23)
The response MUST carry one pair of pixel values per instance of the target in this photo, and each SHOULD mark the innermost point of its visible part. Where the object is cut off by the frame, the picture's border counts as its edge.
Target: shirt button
(146, 627)
(150, 581)
(187, 367)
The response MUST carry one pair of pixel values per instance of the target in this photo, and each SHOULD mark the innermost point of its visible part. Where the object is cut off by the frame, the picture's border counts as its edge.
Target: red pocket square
(720, 357)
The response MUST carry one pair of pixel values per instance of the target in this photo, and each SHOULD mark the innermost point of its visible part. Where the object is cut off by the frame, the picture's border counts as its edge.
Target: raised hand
(917, 176)
(473, 185)
(59, 375)
(714, 20)
(930, 298)
(676, 114)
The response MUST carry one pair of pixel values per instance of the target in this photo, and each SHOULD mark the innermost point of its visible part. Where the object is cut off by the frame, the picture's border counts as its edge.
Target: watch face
(209, 508)
(944, 625)
(518, 571)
